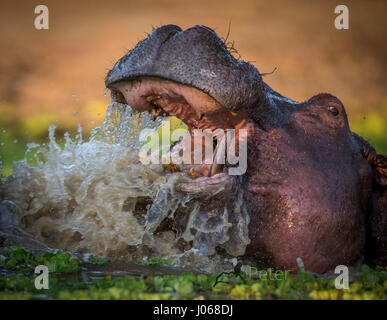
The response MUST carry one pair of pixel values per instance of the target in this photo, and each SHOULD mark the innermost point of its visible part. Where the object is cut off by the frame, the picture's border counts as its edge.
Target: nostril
(164, 33)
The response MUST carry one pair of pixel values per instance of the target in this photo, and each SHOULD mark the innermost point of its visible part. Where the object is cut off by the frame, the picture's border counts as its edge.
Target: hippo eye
(333, 110)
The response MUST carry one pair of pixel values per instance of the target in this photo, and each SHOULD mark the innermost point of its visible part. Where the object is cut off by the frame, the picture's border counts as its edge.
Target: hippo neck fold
(272, 109)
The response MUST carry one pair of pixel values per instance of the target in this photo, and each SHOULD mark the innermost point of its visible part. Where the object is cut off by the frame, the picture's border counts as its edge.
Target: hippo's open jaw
(163, 97)
(195, 108)
(189, 74)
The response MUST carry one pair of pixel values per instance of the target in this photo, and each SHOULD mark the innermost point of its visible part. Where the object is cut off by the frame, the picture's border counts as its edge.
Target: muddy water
(97, 197)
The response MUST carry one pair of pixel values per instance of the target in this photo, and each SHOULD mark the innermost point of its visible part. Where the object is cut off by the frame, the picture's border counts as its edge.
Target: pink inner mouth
(194, 107)
(163, 97)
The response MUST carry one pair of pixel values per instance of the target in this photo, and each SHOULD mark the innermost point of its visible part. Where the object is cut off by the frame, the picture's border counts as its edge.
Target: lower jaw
(192, 170)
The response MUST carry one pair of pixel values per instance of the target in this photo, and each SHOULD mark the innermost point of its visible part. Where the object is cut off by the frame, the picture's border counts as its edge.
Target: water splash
(96, 197)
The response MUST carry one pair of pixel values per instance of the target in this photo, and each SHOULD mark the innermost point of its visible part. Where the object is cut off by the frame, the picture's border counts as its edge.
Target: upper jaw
(195, 57)
(198, 58)
(167, 98)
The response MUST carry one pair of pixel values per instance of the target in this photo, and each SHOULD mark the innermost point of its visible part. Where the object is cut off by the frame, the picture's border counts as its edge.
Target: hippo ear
(376, 252)
(377, 161)
(381, 169)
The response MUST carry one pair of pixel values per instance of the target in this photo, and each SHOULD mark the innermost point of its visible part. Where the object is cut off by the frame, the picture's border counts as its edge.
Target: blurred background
(56, 76)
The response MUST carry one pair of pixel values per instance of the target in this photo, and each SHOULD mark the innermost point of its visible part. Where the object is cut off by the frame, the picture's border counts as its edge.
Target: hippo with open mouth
(313, 189)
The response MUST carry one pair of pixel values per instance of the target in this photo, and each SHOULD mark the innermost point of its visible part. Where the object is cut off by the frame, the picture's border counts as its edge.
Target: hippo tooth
(172, 167)
(192, 172)
(156, 111)
(200, 115)
(152, 97)
(215, 167)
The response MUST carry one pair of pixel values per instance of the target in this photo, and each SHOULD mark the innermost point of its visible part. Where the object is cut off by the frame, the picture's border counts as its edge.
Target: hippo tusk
(156, 111)
(215, 167)
(152, 97)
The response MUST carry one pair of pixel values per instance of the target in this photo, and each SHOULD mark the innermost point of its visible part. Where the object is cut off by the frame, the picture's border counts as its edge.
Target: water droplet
(71, 171)
(75, 113)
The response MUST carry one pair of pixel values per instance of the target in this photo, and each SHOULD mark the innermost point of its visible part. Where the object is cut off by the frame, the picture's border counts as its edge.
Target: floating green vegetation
(97, 260)
(17, 282)
(21, 260)
(154, 261)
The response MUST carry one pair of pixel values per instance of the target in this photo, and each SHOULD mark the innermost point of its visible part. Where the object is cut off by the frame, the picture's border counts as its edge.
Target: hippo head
(192, 70)
(313, 189)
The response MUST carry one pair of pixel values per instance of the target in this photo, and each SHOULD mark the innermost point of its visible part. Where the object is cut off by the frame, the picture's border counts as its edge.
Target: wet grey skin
(313, 189)
(198, 58)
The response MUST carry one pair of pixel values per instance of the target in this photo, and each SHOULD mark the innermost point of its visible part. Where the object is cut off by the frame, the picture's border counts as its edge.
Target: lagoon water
(97, 197)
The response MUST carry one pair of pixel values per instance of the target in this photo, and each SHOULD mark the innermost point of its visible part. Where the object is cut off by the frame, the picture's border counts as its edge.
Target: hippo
(313, 189)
